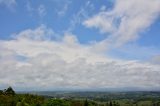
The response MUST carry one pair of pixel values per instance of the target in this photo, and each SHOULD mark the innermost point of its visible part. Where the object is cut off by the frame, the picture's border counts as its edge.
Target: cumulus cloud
(39, 34)
(126, 20)
(155, 59)
(32, 61)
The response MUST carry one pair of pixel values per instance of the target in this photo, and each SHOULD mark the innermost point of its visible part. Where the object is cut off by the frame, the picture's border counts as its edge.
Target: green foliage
(86, 103)
(76, 103)
(1, 92)
(22, 103)
(57, 102)
(8, 97)
(9, 91)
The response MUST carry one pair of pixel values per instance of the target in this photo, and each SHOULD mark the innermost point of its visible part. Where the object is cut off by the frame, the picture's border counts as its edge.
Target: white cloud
(41, 10)
(8, 3)
(126, 20)
(62, 7)
(29, 7)
(63, 11)
(49, 64)
(100, 21)
(81, 15)
(155, 59)
(39, 34)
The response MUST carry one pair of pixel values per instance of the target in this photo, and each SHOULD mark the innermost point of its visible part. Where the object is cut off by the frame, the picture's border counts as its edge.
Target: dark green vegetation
(8, 97)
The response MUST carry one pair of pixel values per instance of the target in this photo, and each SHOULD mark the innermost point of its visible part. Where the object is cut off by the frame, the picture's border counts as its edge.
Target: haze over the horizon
(79, 44)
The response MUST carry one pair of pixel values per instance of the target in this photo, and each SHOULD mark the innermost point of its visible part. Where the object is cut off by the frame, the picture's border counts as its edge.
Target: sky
(80, 44)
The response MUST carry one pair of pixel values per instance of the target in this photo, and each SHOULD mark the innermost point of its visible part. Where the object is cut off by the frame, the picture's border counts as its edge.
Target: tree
(107, 104)
(86, 103)
(57, 102)
(22, 103)
(9, 91)
(110, 104)
(1, 92)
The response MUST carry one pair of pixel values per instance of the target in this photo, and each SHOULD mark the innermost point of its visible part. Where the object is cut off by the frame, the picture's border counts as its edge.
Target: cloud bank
(33, 60)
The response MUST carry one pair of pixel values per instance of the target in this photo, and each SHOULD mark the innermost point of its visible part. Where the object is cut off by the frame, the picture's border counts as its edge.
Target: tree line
(8, 97)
